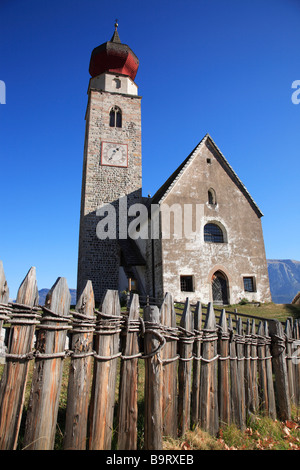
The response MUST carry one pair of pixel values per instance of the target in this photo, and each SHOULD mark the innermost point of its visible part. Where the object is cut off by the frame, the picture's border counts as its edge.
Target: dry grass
(262, 433)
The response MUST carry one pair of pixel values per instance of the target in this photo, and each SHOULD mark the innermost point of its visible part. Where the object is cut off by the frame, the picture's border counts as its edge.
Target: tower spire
(115, 37)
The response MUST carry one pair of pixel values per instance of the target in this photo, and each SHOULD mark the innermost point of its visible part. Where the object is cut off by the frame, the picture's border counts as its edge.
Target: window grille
(186, 284)
(213, 234)
(249, 285)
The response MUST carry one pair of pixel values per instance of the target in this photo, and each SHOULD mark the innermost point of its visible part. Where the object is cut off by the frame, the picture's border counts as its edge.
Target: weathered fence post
(248, 371)
(12, 390)
(128, 390)
(289, 364)
(209, 414)
(169, 357)
(153, 399)
(4, 290)
(47, 375)
(80, 371)
(235, 389)
(186, 341)
(105, 369)
(223, 371)
(196, 364)
(4, 297)
(253, 364)
(240, 352)
(278, 349)
(269, 372)
(262, 372)
(296, 359)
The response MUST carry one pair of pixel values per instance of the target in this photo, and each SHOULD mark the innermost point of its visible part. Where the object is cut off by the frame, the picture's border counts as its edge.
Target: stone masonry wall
(99, 259)
(242, 254)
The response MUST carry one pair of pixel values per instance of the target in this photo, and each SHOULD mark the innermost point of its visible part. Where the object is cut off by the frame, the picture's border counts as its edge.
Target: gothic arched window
(213, 233)
(115, 117)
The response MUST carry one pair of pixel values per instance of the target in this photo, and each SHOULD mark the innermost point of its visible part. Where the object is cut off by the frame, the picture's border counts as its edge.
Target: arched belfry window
(115, 117)
(212, 199)
(213, 233)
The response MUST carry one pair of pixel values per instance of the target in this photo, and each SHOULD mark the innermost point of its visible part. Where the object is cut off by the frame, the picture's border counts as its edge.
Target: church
(200, 236)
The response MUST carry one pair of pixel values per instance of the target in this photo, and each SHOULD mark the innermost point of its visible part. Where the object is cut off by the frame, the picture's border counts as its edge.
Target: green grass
(269, 310)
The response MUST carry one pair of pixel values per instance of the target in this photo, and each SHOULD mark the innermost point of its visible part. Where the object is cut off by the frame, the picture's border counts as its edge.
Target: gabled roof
(162, 192)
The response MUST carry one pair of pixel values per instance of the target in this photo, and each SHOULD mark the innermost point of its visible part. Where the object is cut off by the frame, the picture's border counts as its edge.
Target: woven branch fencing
(203, 367)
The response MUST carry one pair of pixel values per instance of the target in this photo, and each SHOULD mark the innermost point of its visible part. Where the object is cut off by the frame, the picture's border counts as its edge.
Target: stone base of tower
(98, 260)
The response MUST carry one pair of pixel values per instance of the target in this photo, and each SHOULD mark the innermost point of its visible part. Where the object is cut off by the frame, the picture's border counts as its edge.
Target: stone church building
(199, 236)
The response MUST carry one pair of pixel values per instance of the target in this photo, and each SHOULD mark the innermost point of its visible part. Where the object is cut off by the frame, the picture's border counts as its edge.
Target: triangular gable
(162, 192)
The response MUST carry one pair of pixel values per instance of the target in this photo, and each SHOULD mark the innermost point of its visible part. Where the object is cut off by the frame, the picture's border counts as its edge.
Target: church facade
(199, 236)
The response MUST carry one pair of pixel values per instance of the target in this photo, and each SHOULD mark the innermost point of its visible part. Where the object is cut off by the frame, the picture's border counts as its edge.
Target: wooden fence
(203, 367)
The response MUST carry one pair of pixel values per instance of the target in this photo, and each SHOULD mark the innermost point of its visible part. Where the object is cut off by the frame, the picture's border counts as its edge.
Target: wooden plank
(4, 290)
(280, 369)
(254, 406)
(153, 381)
(269, 372)
(13, 382)
(105, 371)
(169, 368)
(262, 371)
(240, 352)
(4, 297)
(234, 379)
(128, 390)
(296, 359)
(185, 369)
(209, 414)
(223, 371)
(47, 375)
(289, 363)
(195, 405)
(248, 370)
(80, 374)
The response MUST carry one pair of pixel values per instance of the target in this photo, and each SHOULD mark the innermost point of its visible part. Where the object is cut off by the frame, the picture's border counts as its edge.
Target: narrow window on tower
(115, 117)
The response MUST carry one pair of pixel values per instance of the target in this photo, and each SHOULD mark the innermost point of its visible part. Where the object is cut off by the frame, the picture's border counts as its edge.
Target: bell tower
(112, 168)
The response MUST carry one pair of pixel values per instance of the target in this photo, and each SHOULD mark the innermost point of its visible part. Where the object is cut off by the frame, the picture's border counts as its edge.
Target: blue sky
(223, 67)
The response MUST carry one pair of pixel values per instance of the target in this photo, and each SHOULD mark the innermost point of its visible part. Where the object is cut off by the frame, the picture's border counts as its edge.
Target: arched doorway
(219, 285)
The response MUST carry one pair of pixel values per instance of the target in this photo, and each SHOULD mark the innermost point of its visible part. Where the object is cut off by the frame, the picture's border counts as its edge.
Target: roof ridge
(160, 193)
(171, 181)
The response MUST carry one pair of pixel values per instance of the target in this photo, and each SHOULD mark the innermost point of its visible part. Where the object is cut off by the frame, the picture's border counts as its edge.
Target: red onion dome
(115, 57)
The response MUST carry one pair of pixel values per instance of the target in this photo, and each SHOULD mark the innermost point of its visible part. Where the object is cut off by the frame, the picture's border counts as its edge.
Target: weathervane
(116, 25)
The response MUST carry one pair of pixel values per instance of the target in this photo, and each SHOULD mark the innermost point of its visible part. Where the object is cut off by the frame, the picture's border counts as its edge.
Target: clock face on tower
(114, 154)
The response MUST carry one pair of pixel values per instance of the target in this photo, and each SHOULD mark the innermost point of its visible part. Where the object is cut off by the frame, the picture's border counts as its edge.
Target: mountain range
(284, 275)
(43, 293)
